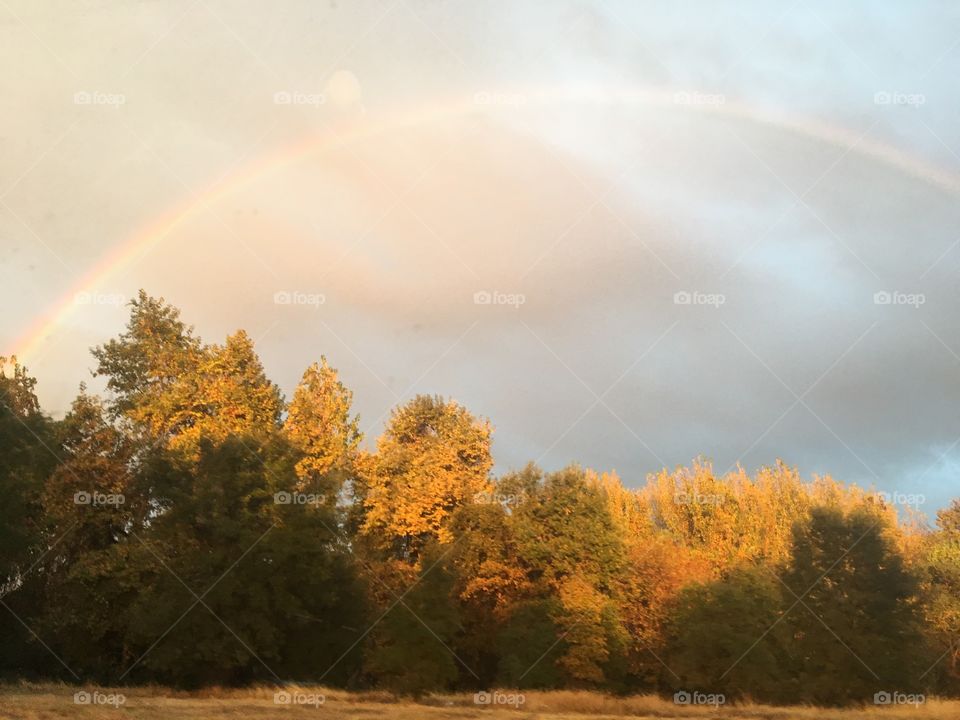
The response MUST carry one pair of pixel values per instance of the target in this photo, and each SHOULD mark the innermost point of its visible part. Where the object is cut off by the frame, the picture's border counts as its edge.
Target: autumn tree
(320, 423)
(657, 569)
(433, 458)
(573, 551)
(89, 494)
(192, 529)
(176, 390)
(489, 581)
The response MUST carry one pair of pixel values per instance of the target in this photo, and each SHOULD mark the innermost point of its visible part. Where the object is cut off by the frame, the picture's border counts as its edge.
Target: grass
(30, 701)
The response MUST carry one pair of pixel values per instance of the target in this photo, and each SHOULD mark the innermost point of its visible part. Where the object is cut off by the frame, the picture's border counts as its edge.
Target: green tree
(530, 646)
(91, 574)
(942, 566)
(726, 637)
(26, 440)
(266, 562)
(858, 630)
(27, 456)
(152, 356)
(564, 529)
(411, 649)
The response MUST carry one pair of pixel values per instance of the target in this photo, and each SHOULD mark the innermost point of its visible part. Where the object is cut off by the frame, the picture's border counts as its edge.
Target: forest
(192, 527)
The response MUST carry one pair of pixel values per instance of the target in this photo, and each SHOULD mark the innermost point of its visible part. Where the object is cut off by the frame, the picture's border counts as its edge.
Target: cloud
(597, 215)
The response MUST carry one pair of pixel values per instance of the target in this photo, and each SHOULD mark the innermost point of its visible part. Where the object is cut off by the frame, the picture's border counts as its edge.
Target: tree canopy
(192, 527)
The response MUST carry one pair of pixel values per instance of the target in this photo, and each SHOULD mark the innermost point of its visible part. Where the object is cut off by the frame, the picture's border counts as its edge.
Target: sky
(629, 234)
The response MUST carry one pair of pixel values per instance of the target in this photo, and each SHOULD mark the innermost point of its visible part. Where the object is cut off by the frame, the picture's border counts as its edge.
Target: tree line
(192, 527)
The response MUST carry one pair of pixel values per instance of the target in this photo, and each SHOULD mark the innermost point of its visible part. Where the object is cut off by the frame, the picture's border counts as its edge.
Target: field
(47, 701)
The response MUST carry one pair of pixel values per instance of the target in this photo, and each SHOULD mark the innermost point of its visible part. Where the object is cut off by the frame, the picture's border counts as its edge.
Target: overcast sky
(719, 229)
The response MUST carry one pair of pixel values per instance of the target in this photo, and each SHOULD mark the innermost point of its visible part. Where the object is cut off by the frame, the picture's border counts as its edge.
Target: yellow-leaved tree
(227, 395)
(433, 458)
(319, 423)
(174, 390)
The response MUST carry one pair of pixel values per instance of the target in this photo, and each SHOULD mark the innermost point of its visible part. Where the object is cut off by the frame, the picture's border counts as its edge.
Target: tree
(488, 581)
(433, 458)
(657, 570)
(227, 395)
(277, 592)
(411, 647)
(530, 646)
(176, 390)
(155, 352)
(942, 570)
(89, 493)
(320, 424)
(726, 637)
(26, 439)
(573, 552)
(858, 629)
(564, 528)
(27, 456)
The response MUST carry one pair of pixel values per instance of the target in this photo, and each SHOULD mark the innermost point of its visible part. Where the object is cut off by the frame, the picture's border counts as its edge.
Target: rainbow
(28, 345)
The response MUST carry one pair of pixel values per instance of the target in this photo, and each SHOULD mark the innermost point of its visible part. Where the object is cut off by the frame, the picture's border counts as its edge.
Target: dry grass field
(47, 701)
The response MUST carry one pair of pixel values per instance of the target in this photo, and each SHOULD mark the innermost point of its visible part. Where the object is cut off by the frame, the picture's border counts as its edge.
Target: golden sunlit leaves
(433, 458)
